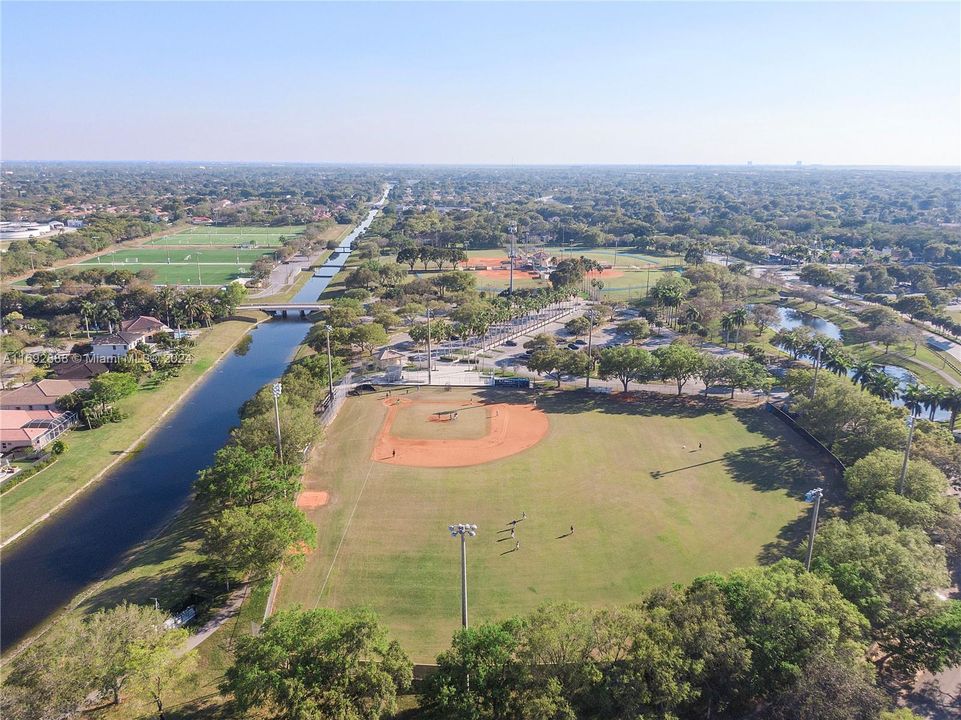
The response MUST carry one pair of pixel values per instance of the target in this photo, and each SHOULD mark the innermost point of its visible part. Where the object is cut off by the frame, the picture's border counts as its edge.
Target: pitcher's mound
(510, 429)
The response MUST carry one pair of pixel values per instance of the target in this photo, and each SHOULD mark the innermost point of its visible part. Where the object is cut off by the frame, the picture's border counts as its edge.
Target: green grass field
(647, 511)
(149, 256)
(229, 236)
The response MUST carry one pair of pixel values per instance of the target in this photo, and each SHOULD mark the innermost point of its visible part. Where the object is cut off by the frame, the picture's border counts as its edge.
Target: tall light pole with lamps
(330, 365)
(276, 390)
(815, 497)
(464, 530)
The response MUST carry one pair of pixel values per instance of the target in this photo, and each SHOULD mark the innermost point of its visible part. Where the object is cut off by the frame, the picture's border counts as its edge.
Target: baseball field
(612, 495)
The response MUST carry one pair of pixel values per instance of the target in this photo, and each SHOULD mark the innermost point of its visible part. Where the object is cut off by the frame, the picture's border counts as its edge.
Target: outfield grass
(383, 541)
(92, 450)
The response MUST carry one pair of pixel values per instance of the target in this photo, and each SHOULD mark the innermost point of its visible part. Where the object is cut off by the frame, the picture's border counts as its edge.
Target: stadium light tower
(330, 366)
(276, 390)
(465, 531)
(815, 497)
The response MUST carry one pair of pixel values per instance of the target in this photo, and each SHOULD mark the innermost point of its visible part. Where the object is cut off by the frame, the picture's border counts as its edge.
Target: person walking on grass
(512, 533)
(393, 453)
(572, 529)
(517, 544)
(523, 516)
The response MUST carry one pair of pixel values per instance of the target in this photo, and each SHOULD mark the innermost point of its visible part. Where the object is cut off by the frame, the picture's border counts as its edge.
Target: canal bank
(47, 568)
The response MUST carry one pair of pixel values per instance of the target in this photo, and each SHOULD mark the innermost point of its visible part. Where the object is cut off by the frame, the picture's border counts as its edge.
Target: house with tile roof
(41, 395)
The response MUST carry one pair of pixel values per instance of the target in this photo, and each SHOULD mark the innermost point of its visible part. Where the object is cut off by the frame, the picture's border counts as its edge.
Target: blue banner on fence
(512, 382)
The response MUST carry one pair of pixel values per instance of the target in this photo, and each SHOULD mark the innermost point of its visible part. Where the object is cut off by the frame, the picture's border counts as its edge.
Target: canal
(76, 547)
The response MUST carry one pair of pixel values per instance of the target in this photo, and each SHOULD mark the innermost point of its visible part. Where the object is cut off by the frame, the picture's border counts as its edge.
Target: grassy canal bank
(92, 453)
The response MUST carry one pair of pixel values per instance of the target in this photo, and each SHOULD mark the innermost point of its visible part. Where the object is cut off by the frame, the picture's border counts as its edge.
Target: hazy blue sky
(860, 83)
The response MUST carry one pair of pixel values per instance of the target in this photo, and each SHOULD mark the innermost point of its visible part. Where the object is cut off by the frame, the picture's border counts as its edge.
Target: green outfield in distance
(173, 255)
(658, 490)
(231, 236)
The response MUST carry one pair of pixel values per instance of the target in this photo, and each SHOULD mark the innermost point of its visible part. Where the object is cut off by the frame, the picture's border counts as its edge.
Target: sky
(490, 83)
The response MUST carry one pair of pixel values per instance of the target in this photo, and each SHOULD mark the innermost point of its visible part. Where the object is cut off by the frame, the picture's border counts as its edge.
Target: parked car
(573, 346)
(580, 341)
(510, 343)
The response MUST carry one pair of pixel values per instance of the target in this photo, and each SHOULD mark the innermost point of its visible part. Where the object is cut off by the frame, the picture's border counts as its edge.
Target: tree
(878, 315)
(106, 389)
(253, 542)
(362, 277)
(886, 571)
(578, 326)
(930, 640)
(368, 336)
(323, 663)
(298, 428)
(558, 362)
(159, 672)
(829, 688)
(635, 330)
(745, 375)
(678, 362)
(484, 657)
(872, 484)
(628, 364)
(788, 617)
(409, 255)
(763, 316)
(439, 330)
(240, 476)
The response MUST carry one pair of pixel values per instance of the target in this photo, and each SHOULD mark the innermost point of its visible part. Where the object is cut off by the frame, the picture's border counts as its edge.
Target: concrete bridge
(283, 309)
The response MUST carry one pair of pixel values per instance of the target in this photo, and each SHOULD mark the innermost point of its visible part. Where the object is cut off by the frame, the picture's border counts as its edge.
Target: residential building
(32, 429)
(42, 395)
(139, 331)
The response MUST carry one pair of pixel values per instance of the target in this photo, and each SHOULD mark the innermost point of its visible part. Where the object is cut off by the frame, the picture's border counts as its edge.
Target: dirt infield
(511, 429)
(505, 274)
(312, 499)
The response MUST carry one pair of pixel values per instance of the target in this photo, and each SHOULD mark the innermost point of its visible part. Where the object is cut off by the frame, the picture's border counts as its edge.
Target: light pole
(429, 359)
(276, 390)
(815, 497)
(907, 455)
(465, 531)
(590, 346)
(200, 280)
(330, 365)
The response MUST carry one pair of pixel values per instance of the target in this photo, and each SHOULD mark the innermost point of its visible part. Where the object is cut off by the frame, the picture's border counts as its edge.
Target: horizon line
(335, 163)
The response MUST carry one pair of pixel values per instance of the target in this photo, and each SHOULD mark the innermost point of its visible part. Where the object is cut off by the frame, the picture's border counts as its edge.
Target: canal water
(789, 319)
(76, 547)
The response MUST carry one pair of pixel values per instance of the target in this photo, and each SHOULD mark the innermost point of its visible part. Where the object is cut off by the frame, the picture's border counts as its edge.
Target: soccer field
(648, 505)
(235, 256)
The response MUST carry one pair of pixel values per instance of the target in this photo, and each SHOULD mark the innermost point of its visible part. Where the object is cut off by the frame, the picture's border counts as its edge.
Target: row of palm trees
(829, 354)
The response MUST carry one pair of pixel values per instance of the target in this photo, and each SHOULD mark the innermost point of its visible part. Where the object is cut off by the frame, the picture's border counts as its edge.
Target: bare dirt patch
(312, 499)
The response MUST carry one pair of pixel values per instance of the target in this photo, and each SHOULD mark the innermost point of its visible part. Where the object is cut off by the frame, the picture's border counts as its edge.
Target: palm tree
(838, 362)
(882, 385)
(88, 310)
(932, 400)
(863, 372)
(913, 397)
(727, 325)
(739, 320)
(109, 313)
(952, 403)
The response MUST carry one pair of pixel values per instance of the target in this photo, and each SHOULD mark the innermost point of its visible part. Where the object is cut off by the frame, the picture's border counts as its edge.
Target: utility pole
(815, 497)
(464, 531)
(429, 358)
(907, 456)
(276, 390)
(647, 285)
(330, 366)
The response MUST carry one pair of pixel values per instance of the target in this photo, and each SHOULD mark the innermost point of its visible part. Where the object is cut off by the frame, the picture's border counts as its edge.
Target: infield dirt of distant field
(649, 506)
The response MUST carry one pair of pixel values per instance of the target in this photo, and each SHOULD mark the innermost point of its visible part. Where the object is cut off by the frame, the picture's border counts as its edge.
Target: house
(32, 429)
(139, 331)
(78, 369)
(42, 395)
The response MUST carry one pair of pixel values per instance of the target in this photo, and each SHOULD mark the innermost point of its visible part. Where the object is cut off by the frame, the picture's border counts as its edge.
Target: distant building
(78, 369)
(42, 395)
(139, 331)
(391, 362)
(23, 230)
